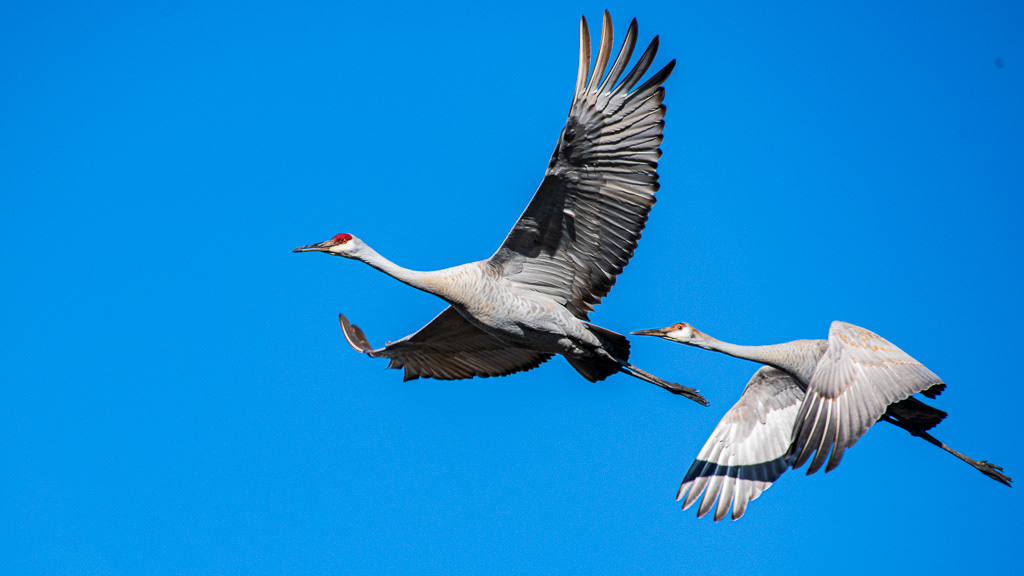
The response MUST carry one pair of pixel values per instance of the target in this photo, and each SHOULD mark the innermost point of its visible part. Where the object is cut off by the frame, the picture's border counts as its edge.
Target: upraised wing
(447, 348)
(746, 452)
(859, 376)
(583, 223)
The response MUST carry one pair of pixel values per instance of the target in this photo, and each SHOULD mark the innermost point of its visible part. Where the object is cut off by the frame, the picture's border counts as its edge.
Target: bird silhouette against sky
(532, 298)
(812, 398)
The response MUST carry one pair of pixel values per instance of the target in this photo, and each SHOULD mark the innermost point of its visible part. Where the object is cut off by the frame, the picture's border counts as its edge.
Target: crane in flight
(532, 298)
(812, 398)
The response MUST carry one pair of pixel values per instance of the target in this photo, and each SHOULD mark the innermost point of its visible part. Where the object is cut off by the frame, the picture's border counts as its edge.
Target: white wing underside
(746, 452)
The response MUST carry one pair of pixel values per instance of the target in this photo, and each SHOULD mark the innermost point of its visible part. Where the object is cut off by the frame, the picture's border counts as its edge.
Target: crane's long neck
(798, 357)
(426, 281)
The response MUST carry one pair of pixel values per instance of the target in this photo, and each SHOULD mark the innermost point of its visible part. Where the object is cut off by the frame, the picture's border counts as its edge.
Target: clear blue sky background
(178, 398)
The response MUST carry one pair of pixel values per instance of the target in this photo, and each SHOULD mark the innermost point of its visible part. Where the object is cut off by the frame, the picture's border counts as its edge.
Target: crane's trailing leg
(672, 387)
(991, 470)
(613, 356)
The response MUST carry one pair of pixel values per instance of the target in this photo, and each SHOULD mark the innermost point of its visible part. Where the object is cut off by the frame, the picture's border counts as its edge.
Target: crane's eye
(341, 238)
(678, 326)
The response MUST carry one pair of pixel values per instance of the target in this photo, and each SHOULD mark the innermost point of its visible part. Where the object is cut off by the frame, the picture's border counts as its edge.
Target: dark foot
(670, 386)
(688, 392)
(994, 472)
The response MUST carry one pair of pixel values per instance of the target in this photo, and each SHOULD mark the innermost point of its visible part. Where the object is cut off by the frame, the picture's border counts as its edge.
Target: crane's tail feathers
(672, 387)
(916, 414)
(354, 335)
(616, 344)
(594, 369)
(609, 359)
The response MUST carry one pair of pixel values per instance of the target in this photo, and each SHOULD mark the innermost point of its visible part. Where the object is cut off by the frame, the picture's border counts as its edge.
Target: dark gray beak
(651, 332)
(321, 247)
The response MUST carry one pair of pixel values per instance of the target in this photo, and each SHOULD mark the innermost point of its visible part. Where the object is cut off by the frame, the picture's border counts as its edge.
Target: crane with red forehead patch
(532, 298)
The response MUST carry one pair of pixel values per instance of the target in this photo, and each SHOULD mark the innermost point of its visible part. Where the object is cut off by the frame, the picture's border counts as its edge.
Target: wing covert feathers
(858, 378)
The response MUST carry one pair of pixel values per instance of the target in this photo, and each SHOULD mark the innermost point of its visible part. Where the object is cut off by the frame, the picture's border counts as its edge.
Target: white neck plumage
(425, 281)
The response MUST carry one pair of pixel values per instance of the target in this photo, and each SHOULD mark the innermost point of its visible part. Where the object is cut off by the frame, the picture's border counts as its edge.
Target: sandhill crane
(810, 398)
(532, 298)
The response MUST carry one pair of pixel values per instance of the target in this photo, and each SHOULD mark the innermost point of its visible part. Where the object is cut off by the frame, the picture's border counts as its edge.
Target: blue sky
(179, 398)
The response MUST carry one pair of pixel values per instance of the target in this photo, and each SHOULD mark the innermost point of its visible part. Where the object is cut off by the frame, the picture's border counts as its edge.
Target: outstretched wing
(447, 348)
(582, 225)
(859, 376)
(746, 452)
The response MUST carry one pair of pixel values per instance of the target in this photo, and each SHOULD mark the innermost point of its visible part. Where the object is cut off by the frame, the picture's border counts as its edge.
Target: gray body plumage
(481, 294)
(812, 401)
(532, 298)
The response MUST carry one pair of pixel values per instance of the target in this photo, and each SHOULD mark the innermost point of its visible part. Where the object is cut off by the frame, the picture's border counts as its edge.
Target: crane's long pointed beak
(321, 247)
(651, 332)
